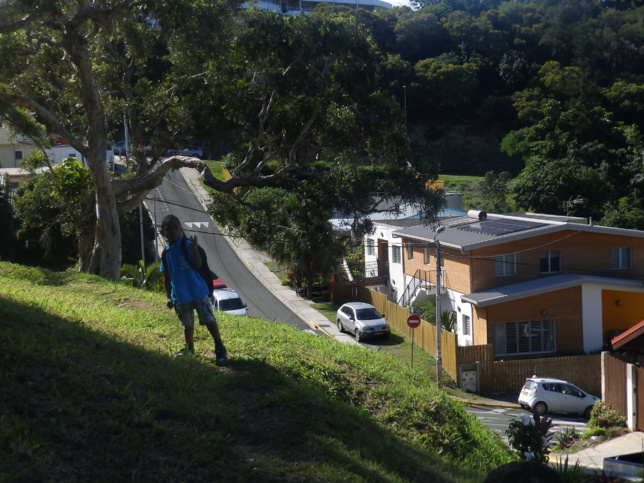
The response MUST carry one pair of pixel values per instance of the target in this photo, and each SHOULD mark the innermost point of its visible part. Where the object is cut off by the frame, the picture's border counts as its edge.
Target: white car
(191, 150)
(544, 394)
(362, 320)
(229, 301)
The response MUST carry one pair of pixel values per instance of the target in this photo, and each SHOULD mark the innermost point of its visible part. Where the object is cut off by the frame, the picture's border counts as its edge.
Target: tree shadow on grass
(79, 405)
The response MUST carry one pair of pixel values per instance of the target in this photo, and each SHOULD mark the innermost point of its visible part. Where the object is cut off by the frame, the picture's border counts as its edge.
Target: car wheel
(587, 412)
(340, 327)
(540, 408)
(358, 336)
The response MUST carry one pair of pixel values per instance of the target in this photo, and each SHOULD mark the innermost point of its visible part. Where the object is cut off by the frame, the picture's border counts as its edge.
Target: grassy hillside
(91, 392)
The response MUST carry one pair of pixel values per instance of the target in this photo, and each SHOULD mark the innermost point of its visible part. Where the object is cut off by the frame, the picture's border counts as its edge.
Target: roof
(546, 379)
(479, 230)
(409, 215)
(628, 336)
(225, 293)
(508, 293)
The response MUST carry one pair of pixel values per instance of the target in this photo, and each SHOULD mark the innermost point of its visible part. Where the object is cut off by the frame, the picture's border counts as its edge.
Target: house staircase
(422, 280)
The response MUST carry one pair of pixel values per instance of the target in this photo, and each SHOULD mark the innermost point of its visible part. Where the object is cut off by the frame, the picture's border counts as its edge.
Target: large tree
(285, 93)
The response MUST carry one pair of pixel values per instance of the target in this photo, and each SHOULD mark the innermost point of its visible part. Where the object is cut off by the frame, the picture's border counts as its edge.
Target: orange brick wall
(563, 306)
(580, 252)
(457, 266)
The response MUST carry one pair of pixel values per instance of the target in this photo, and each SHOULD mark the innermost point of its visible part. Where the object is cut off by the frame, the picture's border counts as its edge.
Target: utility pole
(405, 101)
(439, 328)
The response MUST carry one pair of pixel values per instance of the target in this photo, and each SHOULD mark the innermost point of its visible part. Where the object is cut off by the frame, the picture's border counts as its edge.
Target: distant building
(15, 149)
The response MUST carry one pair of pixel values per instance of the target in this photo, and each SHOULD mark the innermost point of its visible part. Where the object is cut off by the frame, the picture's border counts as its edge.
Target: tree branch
(47, 115)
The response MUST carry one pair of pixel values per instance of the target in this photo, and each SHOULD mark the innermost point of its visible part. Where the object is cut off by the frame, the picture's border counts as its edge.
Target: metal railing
(422, 279)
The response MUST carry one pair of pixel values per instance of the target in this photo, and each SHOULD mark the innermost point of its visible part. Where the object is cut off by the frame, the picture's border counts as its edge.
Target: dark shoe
(222, 361)
(185, 352)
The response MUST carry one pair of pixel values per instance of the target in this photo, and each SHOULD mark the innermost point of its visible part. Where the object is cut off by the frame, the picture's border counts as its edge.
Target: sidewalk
(592, 458)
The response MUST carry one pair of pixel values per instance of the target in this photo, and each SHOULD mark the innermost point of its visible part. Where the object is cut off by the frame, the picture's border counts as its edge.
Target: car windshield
(368, 314)
(231, 304)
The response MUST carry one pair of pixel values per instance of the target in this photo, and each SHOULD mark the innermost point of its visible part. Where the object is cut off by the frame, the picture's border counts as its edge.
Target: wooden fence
(615, 388)
(494, 376)
(396, 315)
(627, 398)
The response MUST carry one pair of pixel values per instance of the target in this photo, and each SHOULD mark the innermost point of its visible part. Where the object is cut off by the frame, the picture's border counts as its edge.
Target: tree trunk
(106, 253)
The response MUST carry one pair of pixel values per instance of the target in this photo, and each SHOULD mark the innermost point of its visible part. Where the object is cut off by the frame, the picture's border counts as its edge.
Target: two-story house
(530, 287)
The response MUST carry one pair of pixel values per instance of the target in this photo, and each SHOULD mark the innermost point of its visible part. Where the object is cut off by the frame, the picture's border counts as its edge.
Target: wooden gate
(639, 400)
(615, 374)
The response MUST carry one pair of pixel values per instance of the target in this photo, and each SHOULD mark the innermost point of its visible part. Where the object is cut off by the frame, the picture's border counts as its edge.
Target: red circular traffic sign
(413, 321)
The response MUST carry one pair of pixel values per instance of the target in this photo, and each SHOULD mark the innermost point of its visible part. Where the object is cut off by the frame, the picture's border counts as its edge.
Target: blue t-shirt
(187, 284)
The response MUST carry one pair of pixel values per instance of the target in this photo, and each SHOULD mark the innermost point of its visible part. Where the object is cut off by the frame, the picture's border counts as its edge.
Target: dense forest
(551, 91)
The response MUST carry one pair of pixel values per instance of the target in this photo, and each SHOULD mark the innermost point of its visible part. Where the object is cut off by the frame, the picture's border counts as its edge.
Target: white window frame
(426, 257)
(410, 251)
(505, 265)
(371, 248)
(526, 337)
(550, 258)
(621, 258)
(396, 256)
(467, 325)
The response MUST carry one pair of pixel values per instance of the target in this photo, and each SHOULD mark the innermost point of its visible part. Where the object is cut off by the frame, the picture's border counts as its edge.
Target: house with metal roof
(531, 287)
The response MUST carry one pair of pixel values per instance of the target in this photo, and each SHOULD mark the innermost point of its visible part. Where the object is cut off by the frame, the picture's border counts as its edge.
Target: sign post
(413, 321)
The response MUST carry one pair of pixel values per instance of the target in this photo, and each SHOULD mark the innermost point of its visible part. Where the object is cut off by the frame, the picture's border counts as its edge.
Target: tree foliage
(279, 93)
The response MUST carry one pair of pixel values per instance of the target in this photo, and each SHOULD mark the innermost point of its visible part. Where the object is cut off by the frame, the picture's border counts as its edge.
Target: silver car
(362, 320)
(543, 394)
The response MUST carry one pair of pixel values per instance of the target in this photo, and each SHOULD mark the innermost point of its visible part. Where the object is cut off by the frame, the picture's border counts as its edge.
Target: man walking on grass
(185, 288)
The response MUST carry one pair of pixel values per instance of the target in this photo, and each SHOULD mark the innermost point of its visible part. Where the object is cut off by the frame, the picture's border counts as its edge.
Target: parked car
(192, 150)
(119, 148)
(227, 300)
(362, 320)
(218, 284)
(543, 394)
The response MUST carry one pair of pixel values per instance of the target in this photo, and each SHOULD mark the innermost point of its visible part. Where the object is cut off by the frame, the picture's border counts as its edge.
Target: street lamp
(439, 360)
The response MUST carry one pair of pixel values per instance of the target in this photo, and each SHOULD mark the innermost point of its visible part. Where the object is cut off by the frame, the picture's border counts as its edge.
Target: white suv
(227, 300)
(543, 394)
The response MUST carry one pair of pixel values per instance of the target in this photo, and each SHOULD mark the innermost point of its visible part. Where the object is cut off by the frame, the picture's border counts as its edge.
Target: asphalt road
(498, 419)
(174, 196)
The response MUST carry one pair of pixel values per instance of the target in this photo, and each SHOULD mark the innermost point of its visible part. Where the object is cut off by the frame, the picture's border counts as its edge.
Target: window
(410, 251)
(524, 337)
(18, 155)
(467, 325)
(550, 262)
(620, 258)
(371, 248)
(395, 254)
(426, 255)
(504, 265)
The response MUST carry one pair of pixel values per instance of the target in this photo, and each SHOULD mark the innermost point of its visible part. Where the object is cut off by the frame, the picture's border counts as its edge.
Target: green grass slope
(91, 392)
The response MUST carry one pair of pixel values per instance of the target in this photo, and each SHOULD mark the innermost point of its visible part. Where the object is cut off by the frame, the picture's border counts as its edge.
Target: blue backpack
(204, 271)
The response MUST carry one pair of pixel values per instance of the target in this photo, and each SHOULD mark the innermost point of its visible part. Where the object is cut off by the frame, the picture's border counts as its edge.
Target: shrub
(590, 432)
(566, 437)
(527, 437)
(572, 473)
(604, 416)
